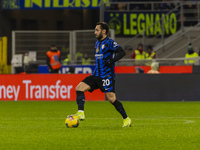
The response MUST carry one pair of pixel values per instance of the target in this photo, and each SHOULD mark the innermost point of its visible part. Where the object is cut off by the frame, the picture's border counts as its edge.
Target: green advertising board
(148, 23)
(52, 4)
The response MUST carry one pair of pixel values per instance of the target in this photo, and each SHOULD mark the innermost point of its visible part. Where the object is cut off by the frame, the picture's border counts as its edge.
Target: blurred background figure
(79, 56)
(86, 60)
(17, 62)
(150, 55)
(139, 70)
(190, 54)
(167, 6)
(26, 61)
(139, 55)
(71, 69)
(154, 68)
(66, 60)
(53, 59)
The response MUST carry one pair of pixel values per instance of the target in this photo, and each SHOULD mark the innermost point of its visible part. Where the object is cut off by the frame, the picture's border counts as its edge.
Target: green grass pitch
(32, 125)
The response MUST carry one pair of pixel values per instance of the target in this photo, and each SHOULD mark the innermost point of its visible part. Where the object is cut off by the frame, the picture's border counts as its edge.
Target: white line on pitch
(153, 118)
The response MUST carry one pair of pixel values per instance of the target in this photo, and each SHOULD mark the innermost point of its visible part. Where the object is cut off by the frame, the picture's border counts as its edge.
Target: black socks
(118, 105)
(80, 100)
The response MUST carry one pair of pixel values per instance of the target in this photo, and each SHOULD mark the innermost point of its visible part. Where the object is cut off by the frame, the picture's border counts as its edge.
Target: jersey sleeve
(113, 45)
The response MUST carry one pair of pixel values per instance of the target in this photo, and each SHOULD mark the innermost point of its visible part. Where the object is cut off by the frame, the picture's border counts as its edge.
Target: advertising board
(52, 4)
(43, 87)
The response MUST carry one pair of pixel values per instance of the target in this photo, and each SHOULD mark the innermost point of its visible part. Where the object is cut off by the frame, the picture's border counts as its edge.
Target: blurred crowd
(189, 13)
(157, 5)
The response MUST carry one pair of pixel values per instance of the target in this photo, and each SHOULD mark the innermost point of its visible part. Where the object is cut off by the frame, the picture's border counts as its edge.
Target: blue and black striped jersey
(105, 51)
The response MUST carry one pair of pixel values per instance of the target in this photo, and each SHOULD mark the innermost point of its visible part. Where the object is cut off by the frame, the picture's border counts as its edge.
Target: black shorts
(105, 85)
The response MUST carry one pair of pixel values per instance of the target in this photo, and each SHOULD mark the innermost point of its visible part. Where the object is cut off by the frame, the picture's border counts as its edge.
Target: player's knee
(78, 88)
(111, 100)
(82, 87)
(111, 97)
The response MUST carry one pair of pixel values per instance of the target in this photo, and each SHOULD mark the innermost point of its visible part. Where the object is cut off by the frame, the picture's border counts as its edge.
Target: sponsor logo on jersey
(99, 56)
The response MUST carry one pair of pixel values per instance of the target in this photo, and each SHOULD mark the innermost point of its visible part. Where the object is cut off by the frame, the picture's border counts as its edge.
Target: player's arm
(119, 54)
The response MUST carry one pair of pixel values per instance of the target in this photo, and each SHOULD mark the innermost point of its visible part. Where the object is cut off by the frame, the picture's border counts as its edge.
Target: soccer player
(107, 52)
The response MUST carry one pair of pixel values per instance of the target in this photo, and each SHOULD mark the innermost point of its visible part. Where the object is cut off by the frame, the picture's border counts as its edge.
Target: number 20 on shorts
(106, 82)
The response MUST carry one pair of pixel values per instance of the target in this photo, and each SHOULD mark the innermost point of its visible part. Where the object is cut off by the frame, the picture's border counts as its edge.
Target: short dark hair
(140, 44)
(150, 47)
(103, 25)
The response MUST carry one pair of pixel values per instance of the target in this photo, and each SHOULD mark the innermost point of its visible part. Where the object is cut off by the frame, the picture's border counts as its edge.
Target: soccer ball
(72, 121)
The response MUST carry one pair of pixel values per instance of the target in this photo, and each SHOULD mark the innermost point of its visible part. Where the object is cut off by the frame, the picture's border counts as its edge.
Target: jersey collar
(103, 39)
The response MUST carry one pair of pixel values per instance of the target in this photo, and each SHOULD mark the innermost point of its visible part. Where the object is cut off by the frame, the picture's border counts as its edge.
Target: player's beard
(100, 36)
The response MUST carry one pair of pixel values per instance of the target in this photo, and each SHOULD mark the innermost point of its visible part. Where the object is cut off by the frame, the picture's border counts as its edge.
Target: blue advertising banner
(52, 4)
(65, 69)
(133, 23)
